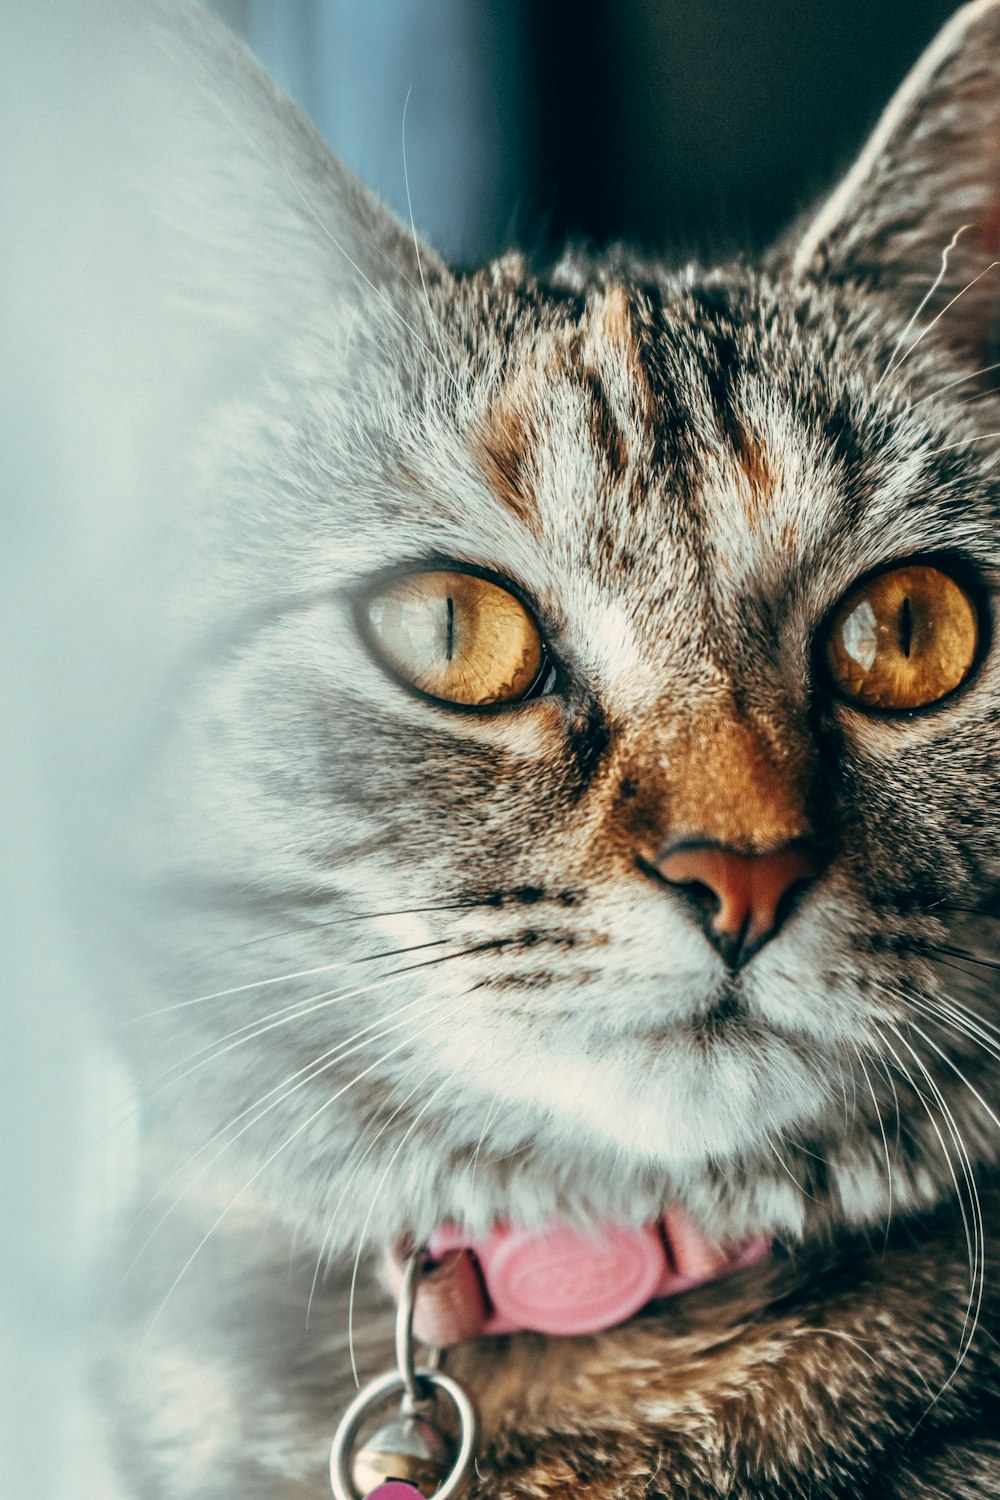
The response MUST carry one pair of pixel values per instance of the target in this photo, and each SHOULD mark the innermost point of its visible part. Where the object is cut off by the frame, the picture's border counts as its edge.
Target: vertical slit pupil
(906, 627)
(451, 627)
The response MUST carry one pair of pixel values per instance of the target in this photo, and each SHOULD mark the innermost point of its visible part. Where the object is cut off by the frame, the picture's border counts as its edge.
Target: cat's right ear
(927, 186)
(257, 218)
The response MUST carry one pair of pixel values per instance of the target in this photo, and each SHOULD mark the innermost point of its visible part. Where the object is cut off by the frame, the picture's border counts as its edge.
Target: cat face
(441, 959)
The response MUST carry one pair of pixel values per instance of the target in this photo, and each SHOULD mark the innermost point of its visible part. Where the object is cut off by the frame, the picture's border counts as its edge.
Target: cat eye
(456, 637)
(903, 639)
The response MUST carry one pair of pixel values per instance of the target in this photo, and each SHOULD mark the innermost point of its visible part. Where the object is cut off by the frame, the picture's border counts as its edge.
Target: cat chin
(746, 1139)
(597, 1151)
(580, 1181)
(667, 1103)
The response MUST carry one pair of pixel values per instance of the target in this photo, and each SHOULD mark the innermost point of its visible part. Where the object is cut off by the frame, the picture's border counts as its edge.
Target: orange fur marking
(612, 319)
(727, 784)
(598, 356)
(504, 448)
(754, 463)
(721, 780)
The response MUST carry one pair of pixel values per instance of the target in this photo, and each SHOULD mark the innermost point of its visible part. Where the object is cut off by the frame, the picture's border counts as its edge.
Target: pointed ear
(927, 187)
(256, 210)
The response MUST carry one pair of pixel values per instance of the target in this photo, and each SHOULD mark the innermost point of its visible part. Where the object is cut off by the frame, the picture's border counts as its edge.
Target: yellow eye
(456, 636)
(903, 639)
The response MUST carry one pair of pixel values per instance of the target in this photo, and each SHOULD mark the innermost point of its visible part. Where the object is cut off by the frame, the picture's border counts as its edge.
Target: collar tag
(395, 1489)
(560, 1280)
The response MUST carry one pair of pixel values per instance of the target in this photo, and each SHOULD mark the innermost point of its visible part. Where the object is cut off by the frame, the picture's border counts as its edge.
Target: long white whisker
(976, 1243)
(482, 1136)
(938, 316)
(924, 301)
(344, 918)
(327, 1104)
(785, 1167)
(934, 1125)
(260, 984)
(340, 1201)
(311, 1070)
(885, 1143)
(368, 1218)
(965, 442)
(895, 1099)
(977, 1286)
(438, 334)
(947, 1020)
(957, 1071)
(317, 1065)
(973, 1017)
(285, 1016)
(950, 385)
(379, 293)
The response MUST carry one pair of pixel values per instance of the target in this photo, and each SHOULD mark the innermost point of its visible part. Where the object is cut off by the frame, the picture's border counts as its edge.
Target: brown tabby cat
(574, 796)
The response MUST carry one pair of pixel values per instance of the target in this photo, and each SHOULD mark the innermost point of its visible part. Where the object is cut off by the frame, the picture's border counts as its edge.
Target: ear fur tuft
(264, 224)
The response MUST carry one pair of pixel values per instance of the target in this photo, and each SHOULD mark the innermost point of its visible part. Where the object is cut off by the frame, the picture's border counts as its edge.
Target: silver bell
(406, 1447)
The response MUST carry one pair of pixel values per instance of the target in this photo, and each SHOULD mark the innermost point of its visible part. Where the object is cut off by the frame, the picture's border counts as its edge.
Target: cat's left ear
(255, 223)
(928, 179)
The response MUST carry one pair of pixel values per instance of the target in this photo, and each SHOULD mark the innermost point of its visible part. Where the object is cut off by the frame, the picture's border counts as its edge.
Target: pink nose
(741, 900)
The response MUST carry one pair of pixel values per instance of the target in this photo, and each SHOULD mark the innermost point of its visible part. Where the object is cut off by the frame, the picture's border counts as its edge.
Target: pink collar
(559, 1280)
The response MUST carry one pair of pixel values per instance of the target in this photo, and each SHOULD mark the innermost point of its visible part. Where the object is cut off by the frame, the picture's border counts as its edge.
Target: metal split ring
(370, 1395)
(418, 1387)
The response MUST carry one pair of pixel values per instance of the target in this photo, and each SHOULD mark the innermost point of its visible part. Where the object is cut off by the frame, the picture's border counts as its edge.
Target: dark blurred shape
(689, 127)
(707, 125)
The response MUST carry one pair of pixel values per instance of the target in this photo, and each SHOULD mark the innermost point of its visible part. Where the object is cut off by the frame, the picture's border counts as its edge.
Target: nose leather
(741, 900)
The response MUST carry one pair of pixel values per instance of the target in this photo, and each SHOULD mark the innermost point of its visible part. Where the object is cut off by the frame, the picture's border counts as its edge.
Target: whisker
(313, 1069)
(340, 1201)
(379, 293)
(977, 1242)
(980, 1025)
(991, 912)
(955, 966)
(892, 367)
(970, 958)
(905, 1074)
(259, 984)
(310, 1119)
(885, 1142)
(964, 442)
(434, 322)
(923, 303)
(482, 1136)
(368, 1218)
(950, 385)
(943, 1018)
(978, 1283)
(287, 1016)
(785, 1167)
(358, 916)
(957, 1071)
(895, 1099)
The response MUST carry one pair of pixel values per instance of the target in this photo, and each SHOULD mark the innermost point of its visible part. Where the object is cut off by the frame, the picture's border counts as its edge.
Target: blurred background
(688, 126)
